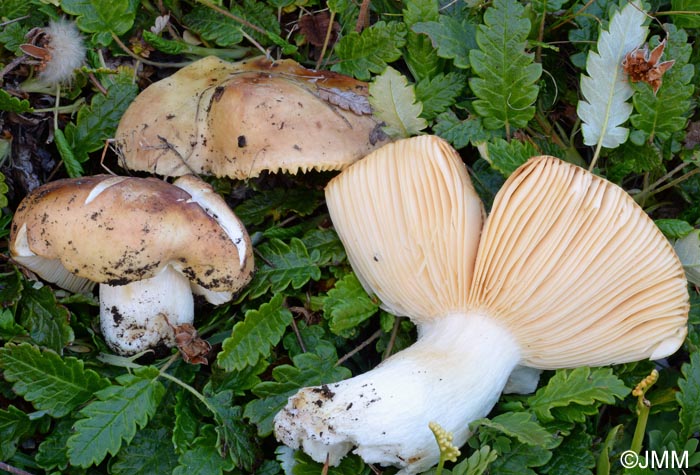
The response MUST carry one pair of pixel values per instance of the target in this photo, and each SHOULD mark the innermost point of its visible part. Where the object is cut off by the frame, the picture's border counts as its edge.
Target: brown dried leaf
(643, 66)
(346, 99)
(314, 27)
(192, 348)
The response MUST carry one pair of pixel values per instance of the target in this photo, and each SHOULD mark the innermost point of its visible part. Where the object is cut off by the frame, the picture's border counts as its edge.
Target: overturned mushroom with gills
(567, 271)
(149, 244)
(239, 119)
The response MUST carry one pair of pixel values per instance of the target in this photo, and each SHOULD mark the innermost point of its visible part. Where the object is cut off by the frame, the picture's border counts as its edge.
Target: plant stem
(643, 408)
(326, 40)
(144, 60)
(359, 347)
(193, 391)
(10, 469)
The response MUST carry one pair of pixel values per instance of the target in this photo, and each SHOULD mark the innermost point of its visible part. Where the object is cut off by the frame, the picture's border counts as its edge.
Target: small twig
(12, 65)
(363, 17)
(144, 60)
(392, 339)
(300, 340)
(359, 347)
(238, 19)
(11, 469)
(326, 40)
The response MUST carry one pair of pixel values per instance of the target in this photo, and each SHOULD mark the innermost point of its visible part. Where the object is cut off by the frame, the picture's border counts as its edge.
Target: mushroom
(149, 245)
(238, 119)
(568, 271)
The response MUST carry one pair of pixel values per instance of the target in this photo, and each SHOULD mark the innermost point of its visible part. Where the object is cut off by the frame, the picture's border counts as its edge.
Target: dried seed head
(63, 51)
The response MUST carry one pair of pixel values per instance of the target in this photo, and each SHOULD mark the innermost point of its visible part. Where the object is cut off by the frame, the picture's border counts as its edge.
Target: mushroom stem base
(452, 375)
(142, 315)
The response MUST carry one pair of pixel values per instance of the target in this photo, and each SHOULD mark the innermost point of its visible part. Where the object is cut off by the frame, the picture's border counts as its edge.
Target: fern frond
(606, 88)
(666, 112)
(505, 87)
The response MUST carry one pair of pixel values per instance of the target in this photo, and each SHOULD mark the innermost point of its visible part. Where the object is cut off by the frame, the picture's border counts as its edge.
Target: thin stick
(392, 339)
(11, 469)
(327, 40)
(300, 340)
(144, 60)
(359, 347)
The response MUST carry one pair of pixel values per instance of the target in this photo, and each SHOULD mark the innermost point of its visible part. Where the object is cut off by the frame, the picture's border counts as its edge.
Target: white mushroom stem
(452, 375)
(141, 315)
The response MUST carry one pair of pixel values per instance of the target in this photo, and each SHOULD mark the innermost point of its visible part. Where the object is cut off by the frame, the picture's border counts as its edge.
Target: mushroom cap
(410, 219)
(239, 119)
(567, 261)
(578, 271)
(117, 230)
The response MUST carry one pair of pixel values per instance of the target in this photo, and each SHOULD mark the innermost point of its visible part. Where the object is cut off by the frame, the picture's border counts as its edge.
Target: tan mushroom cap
(117, 230)
(239, 119)
(567, 261)
(410, 220)
(578, 271)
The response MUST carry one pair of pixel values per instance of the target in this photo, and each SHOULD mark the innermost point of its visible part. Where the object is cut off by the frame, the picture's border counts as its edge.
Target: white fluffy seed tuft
(65, 44)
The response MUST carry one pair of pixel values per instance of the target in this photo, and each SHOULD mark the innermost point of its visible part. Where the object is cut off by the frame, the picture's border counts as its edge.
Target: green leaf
(99, 121)
(14, 104)
(688, 250)
(439, 93)
(114, 417)
(519, 459)
(689, 397)
(148, 453)
(460, 133)
(235, 438)
(574, 455)
(453, 38)
(52, 452)
(519, 425)
(421, 57)
(394, 102)
(203, 458)
(186, 423)
(477, 463)
(604, 107)
(50, 383)
(351, 465)
(284, 265)
(8, 328)
(506, 157)
(102, 18)
(225, 31)
(254, 338)
(666, 112)
(277, 202)
(686, 20)
(73, 166)
(310, 369)
(368, 52)
(327, 243)
(505, 87)
(630, 158)
(14, 424)
(213, 26)
(674, 228)
(347, 305)
(575, 392)
(45, 319)
(163, 45)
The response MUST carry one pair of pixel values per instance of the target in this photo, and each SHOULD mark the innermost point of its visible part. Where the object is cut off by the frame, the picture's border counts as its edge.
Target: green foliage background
(498, 80)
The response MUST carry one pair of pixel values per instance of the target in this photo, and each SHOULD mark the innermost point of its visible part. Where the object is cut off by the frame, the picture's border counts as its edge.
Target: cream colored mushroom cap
(117, 230)
(239, 119)
(410, 219)
(567, 262)
(578, 271)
